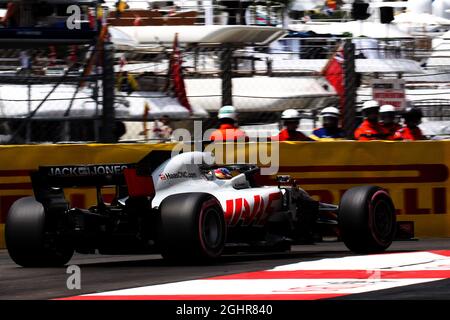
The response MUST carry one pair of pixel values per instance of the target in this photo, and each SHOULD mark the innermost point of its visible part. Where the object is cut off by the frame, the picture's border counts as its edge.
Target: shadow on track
(224, 260)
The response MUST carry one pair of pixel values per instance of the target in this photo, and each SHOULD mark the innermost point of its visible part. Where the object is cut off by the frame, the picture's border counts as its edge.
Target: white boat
(379, 65)
(262, 93)
(151, 37)
(369, 29)
(159, 105)
(249, 93)
(258, 93)
(19, 101)
(440, 57)
(416, 18)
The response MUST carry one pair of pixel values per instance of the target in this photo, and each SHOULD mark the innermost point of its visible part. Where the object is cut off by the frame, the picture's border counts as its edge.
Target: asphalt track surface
(105, 273)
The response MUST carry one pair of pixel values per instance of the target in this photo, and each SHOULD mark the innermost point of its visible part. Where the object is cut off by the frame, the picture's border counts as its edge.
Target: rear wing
(133, 179)
(96, 175)
(81, 175)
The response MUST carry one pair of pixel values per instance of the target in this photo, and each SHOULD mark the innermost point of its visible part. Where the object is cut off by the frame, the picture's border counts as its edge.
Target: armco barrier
(415, 173)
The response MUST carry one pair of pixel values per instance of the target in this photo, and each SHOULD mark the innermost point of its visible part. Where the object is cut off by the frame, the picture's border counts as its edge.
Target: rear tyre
(191, 228)
(367, 219)
(27, 240)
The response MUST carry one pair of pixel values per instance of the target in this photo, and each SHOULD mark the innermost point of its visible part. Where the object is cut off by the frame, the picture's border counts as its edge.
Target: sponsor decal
(359, 174)
(176, 175)
(250, 211)
(83, 171)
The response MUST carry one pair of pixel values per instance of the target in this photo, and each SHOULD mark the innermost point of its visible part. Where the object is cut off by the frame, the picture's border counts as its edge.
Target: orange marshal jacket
(368, 131)
(228, 132)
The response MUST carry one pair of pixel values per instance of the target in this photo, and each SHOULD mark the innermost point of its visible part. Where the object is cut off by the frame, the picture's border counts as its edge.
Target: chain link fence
(46, 96)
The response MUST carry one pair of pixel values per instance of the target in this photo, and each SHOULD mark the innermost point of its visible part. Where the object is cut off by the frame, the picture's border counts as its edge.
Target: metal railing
(254, 79)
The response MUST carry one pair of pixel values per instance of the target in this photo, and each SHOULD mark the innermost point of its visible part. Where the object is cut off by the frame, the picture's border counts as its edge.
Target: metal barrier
(415, 173)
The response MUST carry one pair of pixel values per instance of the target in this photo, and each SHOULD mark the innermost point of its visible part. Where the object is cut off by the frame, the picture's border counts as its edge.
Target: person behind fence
(162, 129)
(228, 129)
(127, 83)
(119, 130)
(5, 132)
(411, 131)
(291, 121)
(370, 129)
(388, 121)
(121, 6)
(330, 130)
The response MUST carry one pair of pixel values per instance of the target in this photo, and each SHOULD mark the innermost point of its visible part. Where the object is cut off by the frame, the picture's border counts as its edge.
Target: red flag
(334, 73)
(176, 75)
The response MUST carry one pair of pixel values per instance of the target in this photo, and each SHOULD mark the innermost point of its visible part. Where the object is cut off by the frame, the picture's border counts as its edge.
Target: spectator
(388, 121)
(228, 129)
(291, 121)
(121, 6)
(330, 126)
(26, 63)
(127, 83)
(411, 131)
(162, 129)
(119, 130)
(5, 133)
(369, 128)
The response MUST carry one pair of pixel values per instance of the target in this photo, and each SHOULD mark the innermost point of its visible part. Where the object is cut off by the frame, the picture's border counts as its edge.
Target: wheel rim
(212, 227)
(382, 219)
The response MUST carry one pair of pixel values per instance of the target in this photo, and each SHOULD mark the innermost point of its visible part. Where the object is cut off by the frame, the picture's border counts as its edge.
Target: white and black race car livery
(186, 209)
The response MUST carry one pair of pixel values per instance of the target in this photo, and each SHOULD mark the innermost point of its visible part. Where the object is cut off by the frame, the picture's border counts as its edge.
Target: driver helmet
(222, 173)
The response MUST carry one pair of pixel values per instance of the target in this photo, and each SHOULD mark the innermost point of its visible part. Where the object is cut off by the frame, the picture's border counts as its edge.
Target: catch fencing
(54, 99)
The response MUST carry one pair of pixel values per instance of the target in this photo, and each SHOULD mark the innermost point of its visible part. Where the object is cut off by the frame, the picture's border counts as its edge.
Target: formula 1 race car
(186, 209)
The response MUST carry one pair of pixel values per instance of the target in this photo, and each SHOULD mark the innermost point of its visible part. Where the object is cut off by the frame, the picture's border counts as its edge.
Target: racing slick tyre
(191, 228)
(367, 219)
(27, 241)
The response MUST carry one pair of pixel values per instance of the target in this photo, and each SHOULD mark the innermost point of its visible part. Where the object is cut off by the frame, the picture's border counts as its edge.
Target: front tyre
(191, 227)
(27, 240)
(367, 219)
